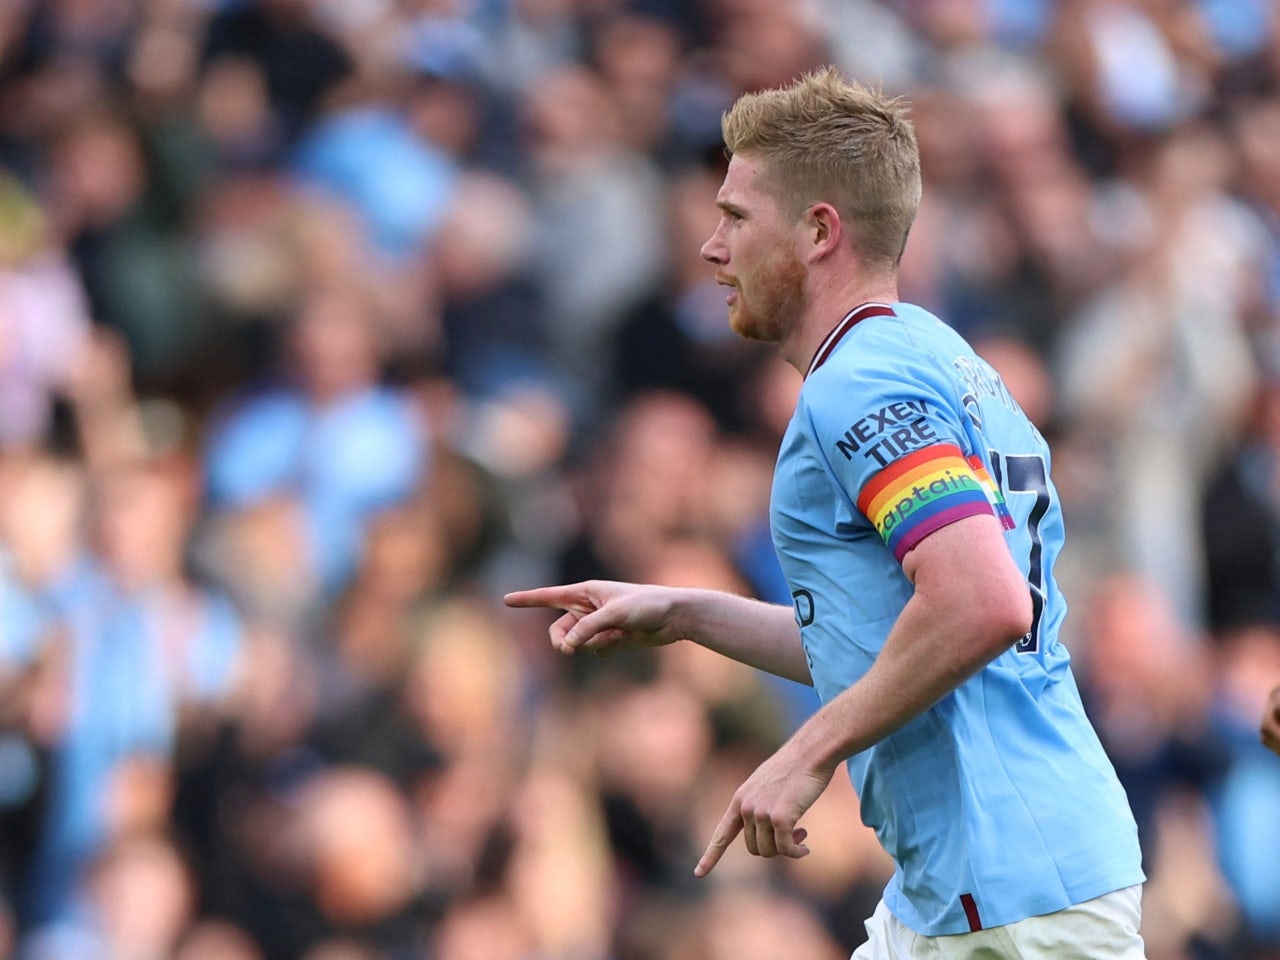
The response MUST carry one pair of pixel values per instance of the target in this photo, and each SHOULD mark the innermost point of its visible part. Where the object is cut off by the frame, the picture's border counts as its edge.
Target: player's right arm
(604, 616)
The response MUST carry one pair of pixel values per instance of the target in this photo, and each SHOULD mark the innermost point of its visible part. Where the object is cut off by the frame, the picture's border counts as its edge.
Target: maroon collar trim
(855, 316)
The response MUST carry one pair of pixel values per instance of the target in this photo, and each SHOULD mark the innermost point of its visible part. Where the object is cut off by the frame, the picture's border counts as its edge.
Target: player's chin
(749, 327)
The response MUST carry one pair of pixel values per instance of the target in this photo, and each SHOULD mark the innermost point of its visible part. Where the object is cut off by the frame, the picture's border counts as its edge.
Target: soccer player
(917, 524)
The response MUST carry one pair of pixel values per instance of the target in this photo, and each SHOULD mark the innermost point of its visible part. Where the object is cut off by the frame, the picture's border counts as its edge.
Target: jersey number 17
(1025, 473)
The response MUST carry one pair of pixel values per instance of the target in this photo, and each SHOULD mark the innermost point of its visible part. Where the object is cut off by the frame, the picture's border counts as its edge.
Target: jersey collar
(853, 317)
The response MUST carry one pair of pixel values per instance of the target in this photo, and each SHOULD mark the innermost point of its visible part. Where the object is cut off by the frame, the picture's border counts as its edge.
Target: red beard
(771, 302)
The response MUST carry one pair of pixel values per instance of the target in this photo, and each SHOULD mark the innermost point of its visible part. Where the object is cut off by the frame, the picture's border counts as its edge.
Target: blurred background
(325, 322)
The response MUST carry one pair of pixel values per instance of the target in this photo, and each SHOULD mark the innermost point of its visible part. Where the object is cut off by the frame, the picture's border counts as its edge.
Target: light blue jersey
(998, 803)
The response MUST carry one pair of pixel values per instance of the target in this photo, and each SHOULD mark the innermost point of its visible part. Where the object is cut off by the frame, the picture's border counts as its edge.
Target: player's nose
(714, 250)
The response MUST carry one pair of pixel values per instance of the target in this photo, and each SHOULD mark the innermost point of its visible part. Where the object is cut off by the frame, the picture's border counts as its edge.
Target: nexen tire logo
(889, 432)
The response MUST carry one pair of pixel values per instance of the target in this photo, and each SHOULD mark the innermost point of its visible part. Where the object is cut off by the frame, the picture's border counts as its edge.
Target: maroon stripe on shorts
(971, 911)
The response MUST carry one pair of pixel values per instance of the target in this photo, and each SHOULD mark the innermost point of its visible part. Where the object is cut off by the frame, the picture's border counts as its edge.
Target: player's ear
(824, 227)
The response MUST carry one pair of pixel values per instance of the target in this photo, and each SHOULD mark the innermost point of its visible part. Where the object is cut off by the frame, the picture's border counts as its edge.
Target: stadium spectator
(330, 438)
(1271, 721)
(44, 319)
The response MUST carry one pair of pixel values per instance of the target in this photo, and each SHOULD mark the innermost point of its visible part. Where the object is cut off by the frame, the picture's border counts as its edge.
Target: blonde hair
(828, 139)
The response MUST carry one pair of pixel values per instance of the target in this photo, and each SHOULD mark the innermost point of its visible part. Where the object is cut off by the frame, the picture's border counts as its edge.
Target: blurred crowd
(325, 322)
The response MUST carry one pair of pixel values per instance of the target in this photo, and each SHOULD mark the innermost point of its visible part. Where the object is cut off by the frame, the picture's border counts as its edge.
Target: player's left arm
(969, 605)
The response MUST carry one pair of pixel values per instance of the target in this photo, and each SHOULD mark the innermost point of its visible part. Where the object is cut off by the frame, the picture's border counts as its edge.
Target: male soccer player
(916, 522)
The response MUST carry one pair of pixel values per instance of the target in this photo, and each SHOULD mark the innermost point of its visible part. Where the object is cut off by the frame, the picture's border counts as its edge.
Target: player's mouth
(732, 296)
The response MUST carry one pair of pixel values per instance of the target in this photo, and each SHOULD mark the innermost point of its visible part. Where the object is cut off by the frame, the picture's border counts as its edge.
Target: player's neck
(828, 304)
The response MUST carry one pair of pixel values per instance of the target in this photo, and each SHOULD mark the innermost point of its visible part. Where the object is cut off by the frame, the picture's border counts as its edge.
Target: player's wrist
(818, 749)
(684, 621)
(705, 616)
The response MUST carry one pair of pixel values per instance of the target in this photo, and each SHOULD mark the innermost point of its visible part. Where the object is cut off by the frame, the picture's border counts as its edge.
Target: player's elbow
(1009, 615)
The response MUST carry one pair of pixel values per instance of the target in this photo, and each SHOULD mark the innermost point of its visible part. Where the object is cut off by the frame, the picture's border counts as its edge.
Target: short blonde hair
(828, 139)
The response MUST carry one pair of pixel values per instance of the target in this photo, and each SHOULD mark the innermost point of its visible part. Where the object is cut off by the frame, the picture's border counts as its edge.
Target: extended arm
(970, 604)
(602, 615)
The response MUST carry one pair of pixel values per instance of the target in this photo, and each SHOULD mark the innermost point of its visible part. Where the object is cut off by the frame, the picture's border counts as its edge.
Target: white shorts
(1105, 928)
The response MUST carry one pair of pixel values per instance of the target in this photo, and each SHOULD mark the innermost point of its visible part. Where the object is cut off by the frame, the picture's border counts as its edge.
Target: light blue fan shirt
(998, 803)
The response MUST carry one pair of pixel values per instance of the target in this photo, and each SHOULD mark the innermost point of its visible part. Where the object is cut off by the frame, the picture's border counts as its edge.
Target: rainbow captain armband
(923, 492)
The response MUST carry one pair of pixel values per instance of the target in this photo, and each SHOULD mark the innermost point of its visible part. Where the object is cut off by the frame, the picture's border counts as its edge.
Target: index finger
(730, 826)
(559, 597)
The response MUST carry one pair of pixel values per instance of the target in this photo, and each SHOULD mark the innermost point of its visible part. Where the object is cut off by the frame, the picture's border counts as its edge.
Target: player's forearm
(932, 649)
(761, 635)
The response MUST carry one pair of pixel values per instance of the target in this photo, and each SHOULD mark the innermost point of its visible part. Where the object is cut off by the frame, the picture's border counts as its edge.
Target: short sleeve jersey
(998, 803)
